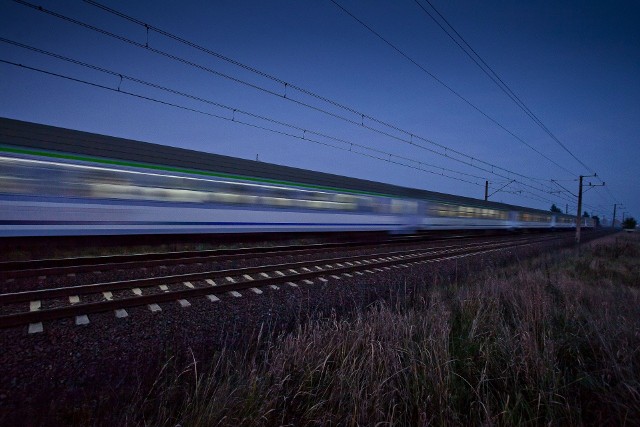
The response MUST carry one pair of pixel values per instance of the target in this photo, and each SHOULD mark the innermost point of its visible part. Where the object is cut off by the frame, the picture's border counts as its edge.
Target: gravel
(71, 373)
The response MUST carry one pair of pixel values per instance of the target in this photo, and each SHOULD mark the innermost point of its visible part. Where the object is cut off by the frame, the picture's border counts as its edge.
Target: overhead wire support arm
(510, 182)
(592, 186)
(563, 187)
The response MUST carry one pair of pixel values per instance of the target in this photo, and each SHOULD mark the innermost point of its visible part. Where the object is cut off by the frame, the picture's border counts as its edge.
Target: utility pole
(613, 221)
(579, 214)
(566, 208)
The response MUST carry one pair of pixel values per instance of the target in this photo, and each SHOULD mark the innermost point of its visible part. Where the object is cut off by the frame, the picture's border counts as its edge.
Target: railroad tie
(35, 328)
(82, 320)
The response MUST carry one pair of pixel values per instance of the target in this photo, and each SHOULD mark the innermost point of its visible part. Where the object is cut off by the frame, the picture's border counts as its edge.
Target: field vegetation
(552, 340)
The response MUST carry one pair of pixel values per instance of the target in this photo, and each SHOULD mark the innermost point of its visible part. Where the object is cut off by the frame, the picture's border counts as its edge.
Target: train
(64, 182)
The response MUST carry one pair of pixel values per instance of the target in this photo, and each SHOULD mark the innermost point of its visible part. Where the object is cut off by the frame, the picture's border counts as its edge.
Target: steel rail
(60, 266)
(17, 319)
(39, 294)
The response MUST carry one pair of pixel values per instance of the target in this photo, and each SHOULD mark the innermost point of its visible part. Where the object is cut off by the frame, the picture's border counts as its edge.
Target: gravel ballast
(69, 374)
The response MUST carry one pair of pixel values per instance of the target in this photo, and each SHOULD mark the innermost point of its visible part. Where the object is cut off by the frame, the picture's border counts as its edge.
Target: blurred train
(61, 182)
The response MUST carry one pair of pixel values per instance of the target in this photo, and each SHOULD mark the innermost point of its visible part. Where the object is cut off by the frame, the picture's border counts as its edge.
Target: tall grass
(554, 340)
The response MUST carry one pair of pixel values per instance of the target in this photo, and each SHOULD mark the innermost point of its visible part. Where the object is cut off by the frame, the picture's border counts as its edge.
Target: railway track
(37, 306)
(75, 265)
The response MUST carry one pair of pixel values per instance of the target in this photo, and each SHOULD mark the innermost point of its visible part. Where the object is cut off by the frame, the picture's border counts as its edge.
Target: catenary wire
(357, 123)
(228, 108)
(235, 110)
(446, 86)
(488, 70)
(387, 158)
(292, 86)
(363, 116)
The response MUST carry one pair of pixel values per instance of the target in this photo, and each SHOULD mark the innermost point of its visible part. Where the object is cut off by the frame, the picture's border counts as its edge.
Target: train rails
(321, 264)
(73, 265)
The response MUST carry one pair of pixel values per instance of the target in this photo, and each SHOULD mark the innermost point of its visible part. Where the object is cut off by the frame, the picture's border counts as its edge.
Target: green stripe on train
(103, 160)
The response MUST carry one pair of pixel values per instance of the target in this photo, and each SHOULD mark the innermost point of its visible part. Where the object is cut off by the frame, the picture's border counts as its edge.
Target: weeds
(554, 340)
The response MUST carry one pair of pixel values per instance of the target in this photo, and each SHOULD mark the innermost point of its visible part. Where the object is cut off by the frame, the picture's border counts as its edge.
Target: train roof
(36, 136)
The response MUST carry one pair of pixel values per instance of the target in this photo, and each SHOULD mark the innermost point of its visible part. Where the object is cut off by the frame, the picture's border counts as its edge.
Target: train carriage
(63, 182)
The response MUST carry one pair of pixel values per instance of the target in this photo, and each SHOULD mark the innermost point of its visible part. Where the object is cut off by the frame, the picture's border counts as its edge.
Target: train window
(412, 207)
(180, 195)
(318, 204)
(15, 178)
(465, 212)
(277, 201)
(459, 211)
(345, 198)
(530, 217)
(434, 209)
(279, 197)
(404, 206)
(365, 203)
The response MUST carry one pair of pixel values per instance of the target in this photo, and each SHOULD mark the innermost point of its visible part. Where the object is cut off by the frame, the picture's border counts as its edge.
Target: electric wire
(217, 104)
(286, 85)
(378, 154)
(412, 135)
(488, 70)
(388, 157)
(357, 123)
(446, 86)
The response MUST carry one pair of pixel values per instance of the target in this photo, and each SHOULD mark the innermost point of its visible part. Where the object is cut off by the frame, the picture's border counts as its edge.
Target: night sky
(575, 65)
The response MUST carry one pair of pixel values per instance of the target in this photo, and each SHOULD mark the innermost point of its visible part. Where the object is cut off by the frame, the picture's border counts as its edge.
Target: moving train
(61, 182)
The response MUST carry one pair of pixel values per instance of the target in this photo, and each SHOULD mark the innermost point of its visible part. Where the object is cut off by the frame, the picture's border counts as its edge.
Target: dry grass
(554, 340)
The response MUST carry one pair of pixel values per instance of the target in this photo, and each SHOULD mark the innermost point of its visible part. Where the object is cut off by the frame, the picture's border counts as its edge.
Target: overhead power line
(349, 146)
(446, 86)
(486, 68)
(352, 147)
(235, 110)
(409, 139)
(388, 156)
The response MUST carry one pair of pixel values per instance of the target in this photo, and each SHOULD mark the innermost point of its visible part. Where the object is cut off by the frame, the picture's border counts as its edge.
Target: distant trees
(585, 214)
(596, 220)
(629, 223)
(555, 209)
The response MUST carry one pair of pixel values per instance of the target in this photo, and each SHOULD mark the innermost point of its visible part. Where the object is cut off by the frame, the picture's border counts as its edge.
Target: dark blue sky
(575, 64)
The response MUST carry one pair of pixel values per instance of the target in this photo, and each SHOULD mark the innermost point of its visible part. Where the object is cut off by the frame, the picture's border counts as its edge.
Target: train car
(61, 182)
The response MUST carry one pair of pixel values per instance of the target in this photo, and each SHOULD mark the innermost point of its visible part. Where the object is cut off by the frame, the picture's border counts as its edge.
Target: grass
(553, 340)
